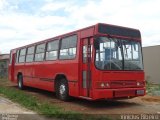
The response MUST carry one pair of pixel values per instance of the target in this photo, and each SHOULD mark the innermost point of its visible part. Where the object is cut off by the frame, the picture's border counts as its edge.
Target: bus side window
(22, 55)
(39, 55)
(52, 50)
(17, 56)
(68, 47)
(10, 60)
(30, 54)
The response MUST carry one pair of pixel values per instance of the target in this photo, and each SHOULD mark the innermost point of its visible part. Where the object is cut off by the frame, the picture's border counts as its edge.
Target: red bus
(102, 61)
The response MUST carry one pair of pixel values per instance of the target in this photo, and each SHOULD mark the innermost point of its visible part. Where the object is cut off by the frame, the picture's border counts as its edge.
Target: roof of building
(4, 56)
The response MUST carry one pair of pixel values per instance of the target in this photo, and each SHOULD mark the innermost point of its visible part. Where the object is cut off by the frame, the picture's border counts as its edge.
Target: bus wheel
(20, 82)
(62, 91)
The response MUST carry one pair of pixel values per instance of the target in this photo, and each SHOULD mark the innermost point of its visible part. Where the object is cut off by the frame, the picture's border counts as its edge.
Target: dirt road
(12, 111)
(146, 104)
(8, 107)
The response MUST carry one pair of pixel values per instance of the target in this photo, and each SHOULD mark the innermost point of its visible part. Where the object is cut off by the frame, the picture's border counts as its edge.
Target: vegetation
(41, 107)
(153, 89)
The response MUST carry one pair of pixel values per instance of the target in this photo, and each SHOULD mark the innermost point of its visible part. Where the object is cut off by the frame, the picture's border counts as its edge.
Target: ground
(145, 104)
(7, 106)
(10, 110)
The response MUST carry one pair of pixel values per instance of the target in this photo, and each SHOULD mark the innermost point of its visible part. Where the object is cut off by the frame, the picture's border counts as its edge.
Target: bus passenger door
(12, 57)
(86, 67)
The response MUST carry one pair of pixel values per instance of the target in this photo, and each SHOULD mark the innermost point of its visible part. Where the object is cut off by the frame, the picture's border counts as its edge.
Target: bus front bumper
(118, 93)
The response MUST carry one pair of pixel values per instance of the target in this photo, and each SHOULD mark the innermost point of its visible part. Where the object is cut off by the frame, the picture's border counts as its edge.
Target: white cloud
(2, 4)
(52, 6)
(18, 28)
(143, 15)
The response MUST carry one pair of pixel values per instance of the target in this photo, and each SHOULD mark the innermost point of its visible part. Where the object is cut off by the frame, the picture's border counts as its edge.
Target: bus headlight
(140, 84)
(103, 85)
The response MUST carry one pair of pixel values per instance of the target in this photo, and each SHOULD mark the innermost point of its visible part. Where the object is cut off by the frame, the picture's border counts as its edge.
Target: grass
(152, 88)
(41, 107)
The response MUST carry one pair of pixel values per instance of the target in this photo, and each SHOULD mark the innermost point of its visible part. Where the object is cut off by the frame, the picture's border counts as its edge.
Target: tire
(62, 90)
(20, 82)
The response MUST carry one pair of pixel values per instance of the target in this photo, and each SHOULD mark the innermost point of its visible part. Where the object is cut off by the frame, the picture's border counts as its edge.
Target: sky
(27, 21)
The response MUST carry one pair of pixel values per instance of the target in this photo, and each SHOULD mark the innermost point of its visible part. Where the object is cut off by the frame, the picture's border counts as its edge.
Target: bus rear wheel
(62, 91)
(20, 82)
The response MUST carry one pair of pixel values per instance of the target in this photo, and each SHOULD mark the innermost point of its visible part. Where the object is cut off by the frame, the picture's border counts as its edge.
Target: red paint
(72, 69)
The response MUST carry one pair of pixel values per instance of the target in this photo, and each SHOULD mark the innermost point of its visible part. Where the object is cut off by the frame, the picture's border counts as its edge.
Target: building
(151, 58)
(4, 61)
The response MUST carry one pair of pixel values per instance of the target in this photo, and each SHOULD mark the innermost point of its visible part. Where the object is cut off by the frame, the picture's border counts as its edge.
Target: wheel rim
(62, 89)
(20, 84)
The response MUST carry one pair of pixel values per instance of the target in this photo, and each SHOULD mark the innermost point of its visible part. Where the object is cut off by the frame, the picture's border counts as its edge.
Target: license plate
(140, 92)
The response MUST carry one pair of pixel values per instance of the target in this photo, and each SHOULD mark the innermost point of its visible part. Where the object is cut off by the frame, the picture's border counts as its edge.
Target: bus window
(22, 55)
(52, 50)
(17, 56)
(39, 55)
(10, 60)
(30, 54)
(68, 47)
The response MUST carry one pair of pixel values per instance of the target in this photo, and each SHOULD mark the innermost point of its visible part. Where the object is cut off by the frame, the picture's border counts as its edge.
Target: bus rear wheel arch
(62, 89)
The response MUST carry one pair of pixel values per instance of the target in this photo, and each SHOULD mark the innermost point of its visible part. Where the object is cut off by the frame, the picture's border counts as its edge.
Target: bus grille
(123, 84)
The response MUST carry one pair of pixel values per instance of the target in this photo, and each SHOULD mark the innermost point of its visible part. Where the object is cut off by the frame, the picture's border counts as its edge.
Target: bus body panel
(42, 75)
(124, 93)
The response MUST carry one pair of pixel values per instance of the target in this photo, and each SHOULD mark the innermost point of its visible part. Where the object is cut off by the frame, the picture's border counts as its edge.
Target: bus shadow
(38, 92)
(105, 103)
(51, 97)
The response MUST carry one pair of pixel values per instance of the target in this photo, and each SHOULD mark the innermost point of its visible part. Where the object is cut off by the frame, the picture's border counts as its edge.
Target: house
(4, 61)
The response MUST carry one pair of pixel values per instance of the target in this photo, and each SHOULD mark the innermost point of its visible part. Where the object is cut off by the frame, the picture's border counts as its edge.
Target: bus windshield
(118, 54)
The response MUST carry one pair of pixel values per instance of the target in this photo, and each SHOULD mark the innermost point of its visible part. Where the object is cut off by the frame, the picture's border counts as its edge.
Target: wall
(151, 58)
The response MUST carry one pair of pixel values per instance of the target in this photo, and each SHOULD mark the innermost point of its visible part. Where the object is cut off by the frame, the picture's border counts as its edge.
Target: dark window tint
(121, 31)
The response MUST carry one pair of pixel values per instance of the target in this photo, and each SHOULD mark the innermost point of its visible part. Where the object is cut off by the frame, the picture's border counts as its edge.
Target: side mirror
(96, 43)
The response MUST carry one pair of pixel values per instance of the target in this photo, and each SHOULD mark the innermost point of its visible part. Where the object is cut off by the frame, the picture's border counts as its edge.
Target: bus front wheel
(20, 82)
(62, 91)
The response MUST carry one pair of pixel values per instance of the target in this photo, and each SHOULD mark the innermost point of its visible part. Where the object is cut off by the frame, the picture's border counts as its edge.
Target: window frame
(122, 55)
(34, 60)
(60, 45)
(58, 49)
(30, 53)
(19, 55)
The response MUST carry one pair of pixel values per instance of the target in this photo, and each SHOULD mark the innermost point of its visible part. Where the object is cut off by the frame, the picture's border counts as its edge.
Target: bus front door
(86, 67)
(12, 65)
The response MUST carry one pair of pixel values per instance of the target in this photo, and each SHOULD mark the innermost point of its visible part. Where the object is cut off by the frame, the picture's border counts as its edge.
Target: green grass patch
(42, 107)
(152, 89)
(34, 104)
